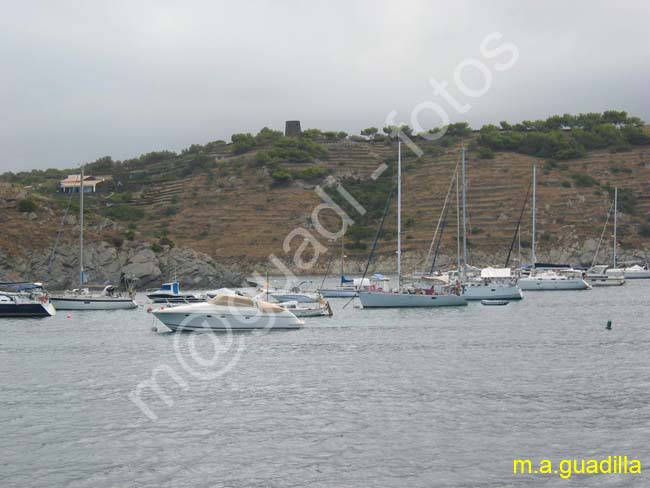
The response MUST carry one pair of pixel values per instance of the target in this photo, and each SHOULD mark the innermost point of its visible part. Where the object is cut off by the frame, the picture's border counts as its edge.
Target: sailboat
(602, 274)
(407, 296)
(82, 298)
(543, 278)
(493, 283)
(348, 287)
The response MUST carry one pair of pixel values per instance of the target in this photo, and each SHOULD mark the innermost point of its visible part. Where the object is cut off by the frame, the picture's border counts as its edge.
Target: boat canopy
(232, 301)
(172, 287)
(444, 279)
(379, 277)
(495, 273)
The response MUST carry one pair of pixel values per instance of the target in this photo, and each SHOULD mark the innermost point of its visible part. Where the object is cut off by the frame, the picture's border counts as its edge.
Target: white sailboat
(82, 298)
(493, 283)
(348, 287)
(603, 275)
(401, 296)
(547, 279)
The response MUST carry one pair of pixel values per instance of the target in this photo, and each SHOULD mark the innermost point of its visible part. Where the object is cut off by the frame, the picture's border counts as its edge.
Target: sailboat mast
(615, 222)
(533, 256)
(81, 227)
(464, 214)
(342, 257)
(399, 214)
(458, 223)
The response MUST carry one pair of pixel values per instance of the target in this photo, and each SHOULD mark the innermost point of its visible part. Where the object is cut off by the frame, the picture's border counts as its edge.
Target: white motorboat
(28, 300)
(402, 296)
(300, 310)
(637, 272)
(291, 294)
(226, 313)
(84, 299)
(170, 293)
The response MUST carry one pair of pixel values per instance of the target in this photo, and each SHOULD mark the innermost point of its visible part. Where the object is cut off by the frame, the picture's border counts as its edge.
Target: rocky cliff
(104, 262)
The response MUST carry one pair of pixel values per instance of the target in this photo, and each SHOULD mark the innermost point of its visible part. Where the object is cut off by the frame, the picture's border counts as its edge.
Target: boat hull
(637, 275)
(203, 316)
(553, 284)
(27, 310)
(295, 297)
(373, 299)
(334, 293)
(492, 292)
(605, 280)
(81, 303)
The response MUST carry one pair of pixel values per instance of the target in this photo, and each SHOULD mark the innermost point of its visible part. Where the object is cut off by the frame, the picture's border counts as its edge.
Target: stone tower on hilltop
(292, 128)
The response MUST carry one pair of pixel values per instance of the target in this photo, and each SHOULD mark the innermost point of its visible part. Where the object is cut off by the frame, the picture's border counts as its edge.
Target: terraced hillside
(238, 211)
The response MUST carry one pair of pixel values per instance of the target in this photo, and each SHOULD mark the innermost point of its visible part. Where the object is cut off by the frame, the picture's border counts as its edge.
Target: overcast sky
(86, 79)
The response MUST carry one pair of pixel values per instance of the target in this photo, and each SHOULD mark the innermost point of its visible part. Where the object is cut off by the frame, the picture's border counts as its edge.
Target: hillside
(237, 202)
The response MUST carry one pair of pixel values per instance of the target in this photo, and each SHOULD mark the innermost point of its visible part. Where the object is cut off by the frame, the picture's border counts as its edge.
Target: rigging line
(374, 242)
(602, 235)
(50, 260)
(442, 230)
(518, 227)
(327, 271)
(447, 199)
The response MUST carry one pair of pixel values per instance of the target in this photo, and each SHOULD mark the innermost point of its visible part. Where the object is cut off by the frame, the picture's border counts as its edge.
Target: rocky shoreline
(104, 262)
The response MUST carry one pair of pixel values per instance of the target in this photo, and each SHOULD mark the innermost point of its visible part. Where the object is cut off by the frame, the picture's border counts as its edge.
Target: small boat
(28, 300)
(170, 293)
(300, 310)
(228, 313)
(495, 302)
(293, 293)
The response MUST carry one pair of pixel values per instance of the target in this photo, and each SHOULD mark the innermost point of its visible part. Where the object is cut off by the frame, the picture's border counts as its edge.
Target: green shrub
(27, 205)
(312, 172)
(124, 213)
(156, 247)
(583, 181)
(565, 184)
(242, 143)
(281, 176)
(170, 211)
(166, 241)
(485, 153)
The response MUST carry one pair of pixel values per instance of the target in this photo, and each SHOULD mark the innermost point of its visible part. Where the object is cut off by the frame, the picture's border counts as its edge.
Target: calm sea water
(395, 398)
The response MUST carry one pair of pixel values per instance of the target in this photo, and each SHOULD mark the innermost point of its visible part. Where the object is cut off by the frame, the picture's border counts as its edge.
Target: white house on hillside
(73, 182)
